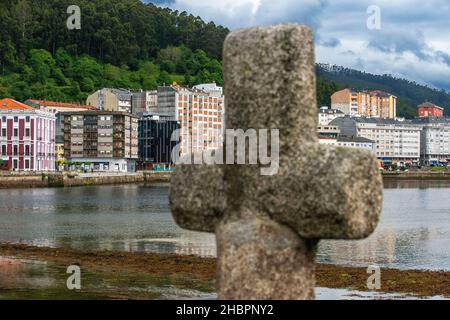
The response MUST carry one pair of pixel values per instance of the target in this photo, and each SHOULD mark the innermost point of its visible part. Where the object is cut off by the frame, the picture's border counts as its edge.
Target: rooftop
(45, 103)
(11, 104)
(429, 105)
(354, 139)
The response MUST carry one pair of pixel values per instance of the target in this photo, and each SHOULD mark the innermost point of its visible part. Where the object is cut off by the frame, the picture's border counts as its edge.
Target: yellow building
(371, 104)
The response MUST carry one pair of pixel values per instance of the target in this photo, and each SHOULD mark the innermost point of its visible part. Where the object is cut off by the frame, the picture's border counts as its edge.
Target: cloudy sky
(413, 41)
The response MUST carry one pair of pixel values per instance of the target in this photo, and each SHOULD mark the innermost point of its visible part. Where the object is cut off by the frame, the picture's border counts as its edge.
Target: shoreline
(20, 180)
(199, 273)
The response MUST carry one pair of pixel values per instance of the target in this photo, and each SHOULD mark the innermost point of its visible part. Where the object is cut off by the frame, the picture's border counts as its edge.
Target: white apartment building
(348, 142)
(200, 112)
(434, 140)
(326, 115)
(395, 142)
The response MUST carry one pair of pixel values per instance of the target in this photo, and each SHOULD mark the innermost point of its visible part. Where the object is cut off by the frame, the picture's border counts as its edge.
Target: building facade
(144, 101)
(395, 142)
(434, 140)
(200, 113)
(57, 108)
(326, 115)
(348, 142)
(429, 109)
(117, 100)
(371, 104)
(155, 144)
(101, 140)
(27, 137)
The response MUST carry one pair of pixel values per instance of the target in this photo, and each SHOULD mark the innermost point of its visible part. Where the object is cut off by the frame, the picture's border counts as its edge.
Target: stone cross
(268, 227)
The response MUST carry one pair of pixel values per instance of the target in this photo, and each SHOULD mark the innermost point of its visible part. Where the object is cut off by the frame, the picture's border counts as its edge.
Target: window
(15, 150)
(16, 132)
(4, 134)
(16, 119)
(27, 119)
(4, 150)
(27, 150)
(27, 164)
(4, 119)
(27, 132)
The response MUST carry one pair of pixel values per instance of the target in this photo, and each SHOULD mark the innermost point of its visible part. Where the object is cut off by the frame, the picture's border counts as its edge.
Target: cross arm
(197, 197)
(329, 193)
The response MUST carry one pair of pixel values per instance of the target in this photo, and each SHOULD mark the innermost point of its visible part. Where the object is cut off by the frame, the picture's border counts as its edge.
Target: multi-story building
(155, 144)
(376, 103)
(200, 113)
(429, 109)
(101, 140)
(395, 142)
(57, 108)
(144, 101)
(119, 100)
(434, 140)
(27, 137)
(348, 142)
(328, 131)
(326, 115)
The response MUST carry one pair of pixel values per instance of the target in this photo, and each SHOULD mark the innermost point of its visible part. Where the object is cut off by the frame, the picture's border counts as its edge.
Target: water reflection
(414, 230)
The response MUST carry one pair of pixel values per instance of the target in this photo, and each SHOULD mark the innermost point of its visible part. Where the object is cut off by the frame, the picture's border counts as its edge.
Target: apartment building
(144, 101)
(200, 112)
(57, 108)
(348, 142)
(434, 140)
(428, 109)
(27, 137)
(155, 144)
(326, 115)
(395, 142)
(371, 104)
(118, 100)
(101, 140)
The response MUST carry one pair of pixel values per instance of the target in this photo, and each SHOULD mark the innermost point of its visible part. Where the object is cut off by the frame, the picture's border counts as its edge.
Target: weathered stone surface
(268, 226)
(197, 197)
(261, 259)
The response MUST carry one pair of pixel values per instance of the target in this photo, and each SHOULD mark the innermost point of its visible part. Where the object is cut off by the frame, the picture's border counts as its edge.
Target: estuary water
(414, 231)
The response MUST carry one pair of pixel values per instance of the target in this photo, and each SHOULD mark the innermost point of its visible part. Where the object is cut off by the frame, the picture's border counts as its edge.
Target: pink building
(27, 137)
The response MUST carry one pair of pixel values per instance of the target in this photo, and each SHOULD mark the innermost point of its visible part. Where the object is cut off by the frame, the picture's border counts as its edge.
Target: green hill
(122, 43)
(410, 94)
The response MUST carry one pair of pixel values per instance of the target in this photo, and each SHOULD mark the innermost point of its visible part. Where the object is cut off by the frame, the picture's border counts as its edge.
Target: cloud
(414, 40)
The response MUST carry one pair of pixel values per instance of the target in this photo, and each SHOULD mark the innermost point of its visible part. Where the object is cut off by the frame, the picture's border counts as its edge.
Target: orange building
(371, 104)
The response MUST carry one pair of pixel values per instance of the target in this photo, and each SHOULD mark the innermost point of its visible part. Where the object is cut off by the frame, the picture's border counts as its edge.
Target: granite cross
(268, 227)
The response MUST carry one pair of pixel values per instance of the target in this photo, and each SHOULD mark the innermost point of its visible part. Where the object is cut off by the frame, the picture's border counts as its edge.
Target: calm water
(414, 232)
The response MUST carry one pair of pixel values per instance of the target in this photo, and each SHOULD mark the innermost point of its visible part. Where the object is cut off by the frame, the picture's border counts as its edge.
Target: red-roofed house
(27, 137)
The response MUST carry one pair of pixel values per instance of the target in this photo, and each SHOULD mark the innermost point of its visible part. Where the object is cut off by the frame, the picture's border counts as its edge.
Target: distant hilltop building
(371, 104)
(27, 137)
(429, 109)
